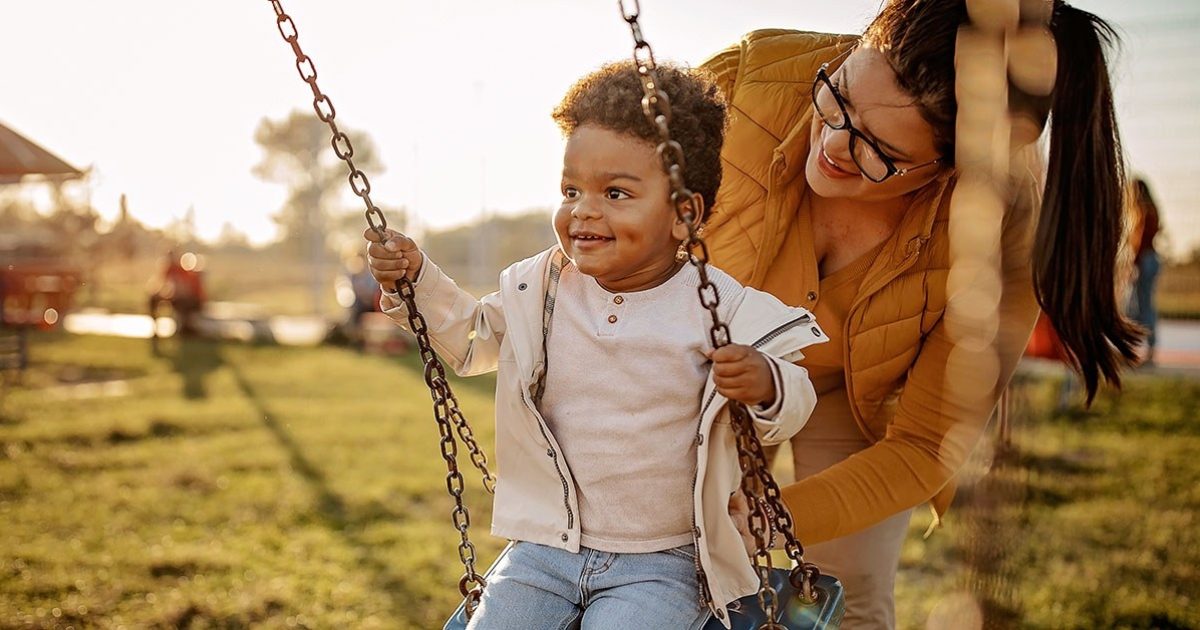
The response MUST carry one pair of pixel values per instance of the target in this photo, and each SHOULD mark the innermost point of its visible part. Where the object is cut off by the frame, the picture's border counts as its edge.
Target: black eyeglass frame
(822, 78)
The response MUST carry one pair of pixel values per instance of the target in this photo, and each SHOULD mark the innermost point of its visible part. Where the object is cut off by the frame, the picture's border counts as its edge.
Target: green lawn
(228, 486)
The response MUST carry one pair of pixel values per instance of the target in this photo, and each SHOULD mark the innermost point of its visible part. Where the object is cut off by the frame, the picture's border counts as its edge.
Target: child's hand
(741, 373)
(390, 260)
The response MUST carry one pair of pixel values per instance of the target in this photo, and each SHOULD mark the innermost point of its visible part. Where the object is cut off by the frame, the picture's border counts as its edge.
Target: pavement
(235, 322)
(1178, 348)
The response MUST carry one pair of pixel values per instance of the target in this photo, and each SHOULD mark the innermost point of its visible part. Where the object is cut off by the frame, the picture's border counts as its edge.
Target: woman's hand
(741, 373)
(391, 259)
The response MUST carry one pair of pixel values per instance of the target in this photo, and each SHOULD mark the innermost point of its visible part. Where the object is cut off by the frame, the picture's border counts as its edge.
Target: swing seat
(745, 613)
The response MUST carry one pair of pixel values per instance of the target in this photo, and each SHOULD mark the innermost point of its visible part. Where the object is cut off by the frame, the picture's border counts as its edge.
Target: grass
(1088, 520)
(234, 486)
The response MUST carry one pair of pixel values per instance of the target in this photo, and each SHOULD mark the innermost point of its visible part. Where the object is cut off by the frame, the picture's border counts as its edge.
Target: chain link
(445, 405)
(768, 513)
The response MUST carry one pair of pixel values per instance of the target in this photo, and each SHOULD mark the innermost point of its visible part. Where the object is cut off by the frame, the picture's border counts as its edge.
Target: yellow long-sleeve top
(898, 354)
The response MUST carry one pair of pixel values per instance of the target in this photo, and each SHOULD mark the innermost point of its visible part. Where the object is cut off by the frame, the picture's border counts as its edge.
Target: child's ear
(680, 230)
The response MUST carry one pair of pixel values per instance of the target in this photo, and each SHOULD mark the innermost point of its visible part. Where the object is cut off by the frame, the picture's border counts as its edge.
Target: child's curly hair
(611, 98)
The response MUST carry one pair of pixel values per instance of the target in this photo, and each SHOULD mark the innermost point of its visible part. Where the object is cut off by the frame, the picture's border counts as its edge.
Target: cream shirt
(624, 381)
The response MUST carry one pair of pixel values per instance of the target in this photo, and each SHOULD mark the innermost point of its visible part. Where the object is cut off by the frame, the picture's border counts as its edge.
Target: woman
(1146, 227)
(857, 231)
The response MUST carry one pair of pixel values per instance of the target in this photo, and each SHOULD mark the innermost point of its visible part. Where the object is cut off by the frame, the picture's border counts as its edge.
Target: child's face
(616, 221)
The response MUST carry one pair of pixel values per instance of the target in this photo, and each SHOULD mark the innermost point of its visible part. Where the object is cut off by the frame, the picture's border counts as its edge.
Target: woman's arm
(936, 425)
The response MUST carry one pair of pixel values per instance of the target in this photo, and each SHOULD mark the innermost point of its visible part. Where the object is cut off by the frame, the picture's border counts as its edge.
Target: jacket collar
(523, 290)
(772, 326)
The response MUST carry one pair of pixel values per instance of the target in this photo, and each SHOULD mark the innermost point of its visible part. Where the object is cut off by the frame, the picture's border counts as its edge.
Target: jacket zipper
(701, 576)
(803, 319)
(555, 263)
(705, 594)
(545, 436)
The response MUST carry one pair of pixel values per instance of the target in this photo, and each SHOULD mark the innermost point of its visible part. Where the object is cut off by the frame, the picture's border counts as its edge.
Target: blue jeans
(1144, 310)
(535, 587)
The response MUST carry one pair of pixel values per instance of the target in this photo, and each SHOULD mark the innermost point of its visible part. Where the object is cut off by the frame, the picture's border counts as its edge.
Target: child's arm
(464, 331)
(778, 394)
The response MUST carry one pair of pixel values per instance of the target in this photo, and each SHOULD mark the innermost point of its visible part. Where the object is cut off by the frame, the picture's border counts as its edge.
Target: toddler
(615, 454)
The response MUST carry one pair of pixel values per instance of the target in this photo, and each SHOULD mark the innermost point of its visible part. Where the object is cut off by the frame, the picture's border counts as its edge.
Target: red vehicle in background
(36, 290)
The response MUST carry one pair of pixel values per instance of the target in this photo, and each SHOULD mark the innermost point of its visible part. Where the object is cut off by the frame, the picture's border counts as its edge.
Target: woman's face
(886, 114)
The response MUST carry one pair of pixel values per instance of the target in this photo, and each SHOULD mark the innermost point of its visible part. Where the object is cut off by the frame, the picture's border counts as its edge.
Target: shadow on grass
(332, 510)
(1146, 404)
(484, 384)
(194, 359)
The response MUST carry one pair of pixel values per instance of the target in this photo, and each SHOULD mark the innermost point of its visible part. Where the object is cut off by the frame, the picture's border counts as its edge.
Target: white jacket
(535, 491)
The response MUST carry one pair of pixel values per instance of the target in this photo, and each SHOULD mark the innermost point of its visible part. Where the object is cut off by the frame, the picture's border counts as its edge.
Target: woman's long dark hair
(1080, 224)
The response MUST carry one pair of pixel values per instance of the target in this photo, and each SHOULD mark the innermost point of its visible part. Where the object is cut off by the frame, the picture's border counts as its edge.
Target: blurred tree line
(315, 226)
(320, 228)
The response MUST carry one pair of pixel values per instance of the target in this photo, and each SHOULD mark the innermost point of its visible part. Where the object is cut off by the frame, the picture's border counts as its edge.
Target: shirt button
(549, 452)
(618, 300)
(565, 538)
(612, 319)
(812, 295)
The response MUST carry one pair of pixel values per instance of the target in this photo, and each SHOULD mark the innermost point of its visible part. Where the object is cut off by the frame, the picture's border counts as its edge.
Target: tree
(182, 230)
(232, 238)
(348, 225)
(297, 152)
(504, 239)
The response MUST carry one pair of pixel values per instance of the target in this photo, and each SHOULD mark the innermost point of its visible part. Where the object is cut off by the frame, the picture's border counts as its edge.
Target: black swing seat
(745, 613)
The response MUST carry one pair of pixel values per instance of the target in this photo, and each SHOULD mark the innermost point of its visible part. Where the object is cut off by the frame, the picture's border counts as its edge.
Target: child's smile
(586, 240)
(616, 222)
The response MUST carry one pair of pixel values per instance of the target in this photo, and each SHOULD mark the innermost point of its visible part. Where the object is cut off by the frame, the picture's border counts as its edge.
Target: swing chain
(445, 404)
(768, 512)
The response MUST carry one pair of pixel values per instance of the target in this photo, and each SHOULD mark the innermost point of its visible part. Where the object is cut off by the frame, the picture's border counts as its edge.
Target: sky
(161, 99)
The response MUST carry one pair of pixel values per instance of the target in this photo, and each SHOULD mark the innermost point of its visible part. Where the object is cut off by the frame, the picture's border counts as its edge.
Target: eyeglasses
(870, 159)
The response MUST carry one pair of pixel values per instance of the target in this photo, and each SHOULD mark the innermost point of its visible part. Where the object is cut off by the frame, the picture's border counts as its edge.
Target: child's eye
(616, 194)
(569, 193)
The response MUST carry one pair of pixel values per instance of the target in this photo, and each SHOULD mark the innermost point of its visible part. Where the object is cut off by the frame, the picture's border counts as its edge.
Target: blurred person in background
(364, 287)
(359, 293)
(182, 287)
(1146, 227)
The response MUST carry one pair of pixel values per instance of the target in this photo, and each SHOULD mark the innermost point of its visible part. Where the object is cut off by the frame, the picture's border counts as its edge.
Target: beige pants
(865, 561)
